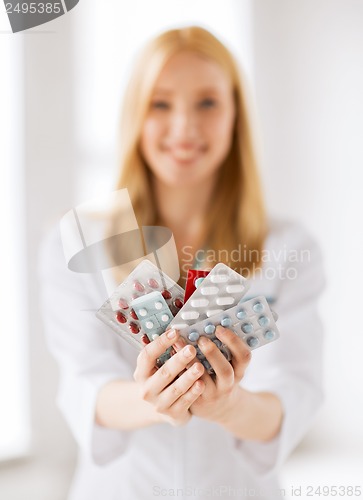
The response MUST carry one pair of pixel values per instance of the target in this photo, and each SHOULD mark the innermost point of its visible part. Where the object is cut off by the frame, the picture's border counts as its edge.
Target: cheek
(150, 134)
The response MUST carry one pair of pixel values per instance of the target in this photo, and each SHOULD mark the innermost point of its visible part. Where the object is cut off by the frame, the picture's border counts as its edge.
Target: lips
(185, 154)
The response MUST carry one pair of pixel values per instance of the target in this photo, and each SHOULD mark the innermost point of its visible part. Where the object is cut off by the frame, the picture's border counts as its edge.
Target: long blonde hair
(236, 218)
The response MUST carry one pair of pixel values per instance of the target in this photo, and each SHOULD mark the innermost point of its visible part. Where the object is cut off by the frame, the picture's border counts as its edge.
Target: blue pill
(226, 322)
(198, 282)
(263, 321)
(269, 335)
(217, 342)
(241, 314)
(206, 364)
(209, 329)
(193, 336)
(252, 341)
(258, 307)
(247, 327)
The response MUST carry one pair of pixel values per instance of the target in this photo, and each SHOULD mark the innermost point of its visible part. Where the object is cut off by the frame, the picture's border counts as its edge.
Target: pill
(247, 327)
(224, 301)
(209, 329)
(133, 314)
(158, 305)
(178, 303)
(145, 339)
(269, 335)
(123, 304)
(209, 290)
(226, 322)
(190, 315)
(258, 307)
(166, 294)
(134, 327)
(121, 318)
(252, 341)
(241, 314)
(219, 278)
(199, 302)
(149, 324)
(142, 312)
(154, 336)
(153, 283)
(165, 318)
(235, 288)
(193, 336)
(206, 364)
(212, 312)
(138, 286)
(198, 281)
(263, 321)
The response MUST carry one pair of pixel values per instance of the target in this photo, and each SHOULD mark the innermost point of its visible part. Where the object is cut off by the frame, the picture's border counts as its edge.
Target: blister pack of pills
(143, 304)
(252, 320)
(194, 278)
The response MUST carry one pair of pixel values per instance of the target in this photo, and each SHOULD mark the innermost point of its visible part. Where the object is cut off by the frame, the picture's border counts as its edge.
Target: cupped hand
(171, 389)
(221, 390)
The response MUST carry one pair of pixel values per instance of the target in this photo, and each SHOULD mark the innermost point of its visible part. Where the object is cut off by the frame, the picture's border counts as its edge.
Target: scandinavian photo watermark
(24, 15)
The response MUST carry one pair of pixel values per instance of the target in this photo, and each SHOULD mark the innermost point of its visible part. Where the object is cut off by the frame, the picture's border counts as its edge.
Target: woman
(189, 164)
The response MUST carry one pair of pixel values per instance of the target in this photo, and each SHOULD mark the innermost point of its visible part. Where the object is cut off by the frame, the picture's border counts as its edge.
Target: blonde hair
(237, 216)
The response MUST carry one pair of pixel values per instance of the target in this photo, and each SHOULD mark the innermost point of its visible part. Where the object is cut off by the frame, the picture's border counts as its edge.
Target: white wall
(309, 81)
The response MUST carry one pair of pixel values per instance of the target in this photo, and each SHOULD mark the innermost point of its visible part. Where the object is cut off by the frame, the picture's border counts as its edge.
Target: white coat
(199, 460)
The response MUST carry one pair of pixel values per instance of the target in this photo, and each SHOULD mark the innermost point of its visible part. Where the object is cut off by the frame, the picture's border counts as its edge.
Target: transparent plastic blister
(118, 311)
(252, 320)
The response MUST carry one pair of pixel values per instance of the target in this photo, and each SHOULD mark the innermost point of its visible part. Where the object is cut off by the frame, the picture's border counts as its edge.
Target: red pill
(153, 283)
(133, 314)
(166, 294)
(134, 327)
(145, 340)
(139, 286)
(178, 303)
(123, 304)
(121, 318)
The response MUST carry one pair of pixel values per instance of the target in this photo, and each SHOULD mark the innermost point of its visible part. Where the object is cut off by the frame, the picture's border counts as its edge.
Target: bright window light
(14, 388)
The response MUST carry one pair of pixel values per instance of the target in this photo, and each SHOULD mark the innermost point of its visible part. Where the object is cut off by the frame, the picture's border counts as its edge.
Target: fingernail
(171, 334)
(197, 368)
(220, 329)
(188, 351)
(203, 341)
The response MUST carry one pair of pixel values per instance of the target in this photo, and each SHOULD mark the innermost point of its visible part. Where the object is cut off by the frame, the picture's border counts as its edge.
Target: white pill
(199, 302)
(209, 290)
(158, 305)
(154, 336)
(180, 326)
(142, 312)
(149, 324)
(219, 278)
(190, 315)
(223, 301)
(235, 288)
(164, 318)
(212, 312)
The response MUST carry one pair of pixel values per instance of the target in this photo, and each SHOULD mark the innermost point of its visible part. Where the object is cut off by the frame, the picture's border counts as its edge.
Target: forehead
(190, 71)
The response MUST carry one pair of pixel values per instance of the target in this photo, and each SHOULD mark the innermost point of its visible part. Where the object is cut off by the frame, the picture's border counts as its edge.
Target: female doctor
(189, 164)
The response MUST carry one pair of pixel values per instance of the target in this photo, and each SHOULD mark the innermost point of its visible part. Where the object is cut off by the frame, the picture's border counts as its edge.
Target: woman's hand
(222, 393)
(171, 389)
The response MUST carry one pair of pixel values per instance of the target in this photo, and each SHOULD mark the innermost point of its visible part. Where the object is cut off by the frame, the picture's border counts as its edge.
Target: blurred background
(60, 95)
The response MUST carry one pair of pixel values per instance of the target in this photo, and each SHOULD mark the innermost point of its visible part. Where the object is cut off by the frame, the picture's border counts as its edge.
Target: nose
(184, 126)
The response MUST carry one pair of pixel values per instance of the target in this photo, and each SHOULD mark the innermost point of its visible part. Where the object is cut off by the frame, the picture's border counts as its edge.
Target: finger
(186, 400)
(222, 368)
(179, 387)
(151, 352)
(168, 372)
(241, 354)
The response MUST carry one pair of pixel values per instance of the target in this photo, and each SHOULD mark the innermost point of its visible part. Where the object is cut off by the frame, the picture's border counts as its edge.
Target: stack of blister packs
(148, 302)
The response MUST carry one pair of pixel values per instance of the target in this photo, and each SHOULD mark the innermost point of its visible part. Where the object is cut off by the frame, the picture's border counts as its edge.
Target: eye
(159, 104)
(207, 103)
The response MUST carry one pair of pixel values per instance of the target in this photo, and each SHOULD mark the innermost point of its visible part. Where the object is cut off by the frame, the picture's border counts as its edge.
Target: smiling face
(187, 132)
